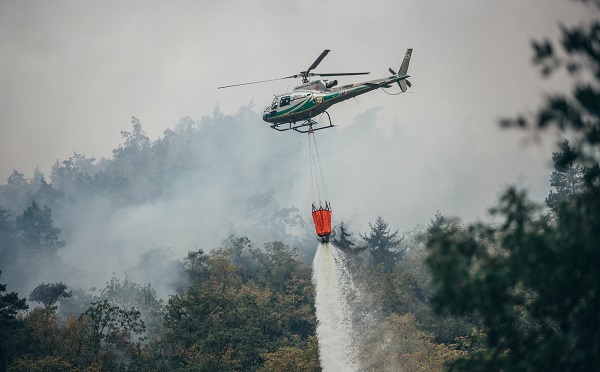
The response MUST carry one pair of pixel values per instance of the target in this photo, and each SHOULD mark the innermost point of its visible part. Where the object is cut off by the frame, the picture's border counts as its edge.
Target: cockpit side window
(284, 101)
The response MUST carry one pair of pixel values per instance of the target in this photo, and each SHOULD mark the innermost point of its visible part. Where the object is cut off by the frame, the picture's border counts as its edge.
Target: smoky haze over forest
(157, 200)
(186, 186)
(141, 211)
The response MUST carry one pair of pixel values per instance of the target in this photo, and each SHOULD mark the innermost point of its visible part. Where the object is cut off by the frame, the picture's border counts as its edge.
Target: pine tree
(382, 243)
(344, 242)
(567, 178)
(37, 230)
(49, 294)
(437, 222)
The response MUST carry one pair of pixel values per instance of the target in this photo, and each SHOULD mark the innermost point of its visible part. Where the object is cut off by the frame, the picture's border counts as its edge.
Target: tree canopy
(49, 294)
(531, 279)
(383, 243)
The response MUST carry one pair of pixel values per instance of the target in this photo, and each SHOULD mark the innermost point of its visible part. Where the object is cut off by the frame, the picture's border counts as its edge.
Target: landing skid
(305, 126)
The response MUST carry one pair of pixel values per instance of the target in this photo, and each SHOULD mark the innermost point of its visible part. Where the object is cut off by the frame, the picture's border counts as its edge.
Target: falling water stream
(334, 287)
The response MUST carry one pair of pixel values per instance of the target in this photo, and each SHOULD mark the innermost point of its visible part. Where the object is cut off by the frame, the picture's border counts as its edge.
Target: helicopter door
(284, 101)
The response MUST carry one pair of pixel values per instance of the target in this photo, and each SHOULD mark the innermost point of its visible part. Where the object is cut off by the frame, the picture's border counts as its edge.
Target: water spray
(334, 286)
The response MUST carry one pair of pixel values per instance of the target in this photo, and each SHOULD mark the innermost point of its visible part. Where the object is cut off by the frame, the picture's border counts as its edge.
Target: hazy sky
(72, 73)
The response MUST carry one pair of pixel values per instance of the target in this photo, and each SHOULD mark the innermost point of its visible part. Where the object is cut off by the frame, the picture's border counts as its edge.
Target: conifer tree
(567, 178)
(383, 243)
(345, 237)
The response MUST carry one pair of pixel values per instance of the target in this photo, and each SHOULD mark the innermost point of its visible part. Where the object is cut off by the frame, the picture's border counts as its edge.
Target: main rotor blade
(341, 73)
(256, 82)
(318, 60)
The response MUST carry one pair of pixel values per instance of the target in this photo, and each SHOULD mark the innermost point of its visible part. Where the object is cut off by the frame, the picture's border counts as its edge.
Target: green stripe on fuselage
(331, 96)
(299, 108)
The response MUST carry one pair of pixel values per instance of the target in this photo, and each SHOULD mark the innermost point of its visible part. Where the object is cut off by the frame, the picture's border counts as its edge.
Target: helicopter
(296, 110)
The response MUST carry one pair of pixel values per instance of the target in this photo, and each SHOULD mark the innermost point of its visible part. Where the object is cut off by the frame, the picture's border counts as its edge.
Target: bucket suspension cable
(321, 212)
(318, 185)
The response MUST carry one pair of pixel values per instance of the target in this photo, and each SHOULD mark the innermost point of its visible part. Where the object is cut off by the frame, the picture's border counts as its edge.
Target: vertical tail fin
(405, 62)
(404, 69)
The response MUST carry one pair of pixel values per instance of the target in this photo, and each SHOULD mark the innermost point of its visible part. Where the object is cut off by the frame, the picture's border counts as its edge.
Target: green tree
(49, 294)
(15, 194)
(532, 280)
(47, 363)
(567, 178)
(98, 340)
(74, 305)
(437, 222)
(382, 243)
(228, 321)
(277, 263)
(219, 323)
(133, 162)
(73, 177)
(37, 229)
(136, 143)
(10, 325)
(128, 295)
(45, 332)
(238, 247)
(345, 240)
(10, 304)
(237, 251)
(109, 332)
(195, 264)
(304, 357)
(8, 238)
(77, 346)
(43, 322)
(17, 180)
(46, 194)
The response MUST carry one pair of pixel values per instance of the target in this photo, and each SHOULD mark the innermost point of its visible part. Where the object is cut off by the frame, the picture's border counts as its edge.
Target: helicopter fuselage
(314, 97)
(295, 110)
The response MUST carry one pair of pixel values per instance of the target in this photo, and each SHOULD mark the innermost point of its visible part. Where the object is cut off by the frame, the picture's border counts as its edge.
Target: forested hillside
(152, 202)
(193, 252)
(244, 302)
